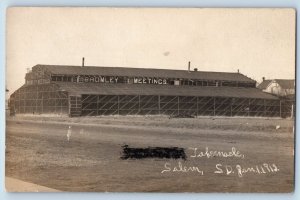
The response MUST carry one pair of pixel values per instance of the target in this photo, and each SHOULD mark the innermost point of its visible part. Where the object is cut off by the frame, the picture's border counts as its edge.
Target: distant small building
(285, 90)
(278, 87)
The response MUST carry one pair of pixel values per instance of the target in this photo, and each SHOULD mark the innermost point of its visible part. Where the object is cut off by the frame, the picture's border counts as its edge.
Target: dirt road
(38, 151)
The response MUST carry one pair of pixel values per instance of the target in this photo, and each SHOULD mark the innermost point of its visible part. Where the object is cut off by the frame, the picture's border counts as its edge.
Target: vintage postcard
(150, 100)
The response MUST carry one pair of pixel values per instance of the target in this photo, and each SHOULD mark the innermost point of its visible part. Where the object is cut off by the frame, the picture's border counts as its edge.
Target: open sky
(258, 42)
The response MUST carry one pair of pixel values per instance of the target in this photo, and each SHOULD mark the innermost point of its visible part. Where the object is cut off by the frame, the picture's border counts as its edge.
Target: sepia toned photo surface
(150, 100)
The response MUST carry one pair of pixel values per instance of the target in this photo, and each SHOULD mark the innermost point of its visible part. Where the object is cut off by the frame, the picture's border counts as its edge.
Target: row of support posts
(38, 99)
(242, 107)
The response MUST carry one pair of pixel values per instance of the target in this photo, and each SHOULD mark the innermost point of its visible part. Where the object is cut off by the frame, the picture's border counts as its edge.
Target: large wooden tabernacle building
(86, 91)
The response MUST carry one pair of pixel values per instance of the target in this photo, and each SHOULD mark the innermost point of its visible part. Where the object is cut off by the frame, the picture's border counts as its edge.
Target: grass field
(38, 151)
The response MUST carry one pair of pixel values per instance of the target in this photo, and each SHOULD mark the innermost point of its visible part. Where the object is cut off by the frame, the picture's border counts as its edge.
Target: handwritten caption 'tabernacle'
(219, 168)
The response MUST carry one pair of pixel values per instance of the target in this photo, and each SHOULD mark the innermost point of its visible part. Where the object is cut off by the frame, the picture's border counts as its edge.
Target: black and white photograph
(167, 100)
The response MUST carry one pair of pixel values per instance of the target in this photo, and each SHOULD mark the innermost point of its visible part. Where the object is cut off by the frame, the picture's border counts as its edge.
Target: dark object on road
(153, 152)
(182, 116)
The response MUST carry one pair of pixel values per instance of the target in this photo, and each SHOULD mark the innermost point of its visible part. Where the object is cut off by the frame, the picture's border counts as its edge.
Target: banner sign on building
(116, 79)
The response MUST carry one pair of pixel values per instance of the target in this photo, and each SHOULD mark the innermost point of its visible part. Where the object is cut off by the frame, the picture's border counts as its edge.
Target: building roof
(144, 72)
(263, 85)
(284, 83)
(168, 90)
